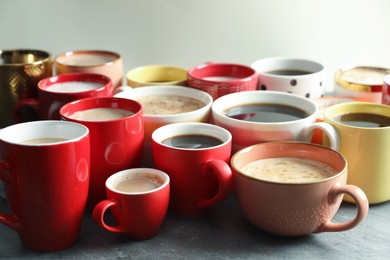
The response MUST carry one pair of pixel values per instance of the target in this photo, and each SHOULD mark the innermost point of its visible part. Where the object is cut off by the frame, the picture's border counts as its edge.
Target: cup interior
(288, 149)
(87, 58)
(19, 133)
(22, 56)
(155, 74)
(268, 65)
(190, 128)
(157, 177)
(211, 71)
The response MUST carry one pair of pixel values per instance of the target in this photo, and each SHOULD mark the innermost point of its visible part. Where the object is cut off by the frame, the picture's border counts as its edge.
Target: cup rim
(368, 106)
(255, 64)
(91, 100)
(143, 90)
(46, 56)
(289, 143)
(238, 96)
(203, 127)
(82, 132)
(192, 72)
(116, 56)
(134, 171)
(43, 84)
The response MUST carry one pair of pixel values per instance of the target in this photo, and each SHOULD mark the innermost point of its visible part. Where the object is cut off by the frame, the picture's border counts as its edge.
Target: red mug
(219, 79)
(138, 199)
(44, 166)
(56, 91)
(200, 174)
(116, 127)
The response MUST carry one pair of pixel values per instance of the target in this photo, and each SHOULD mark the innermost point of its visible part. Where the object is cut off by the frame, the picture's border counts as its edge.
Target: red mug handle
(361, 202)
(32, 103)
(224, 175)
(98, 216)
(10, 219)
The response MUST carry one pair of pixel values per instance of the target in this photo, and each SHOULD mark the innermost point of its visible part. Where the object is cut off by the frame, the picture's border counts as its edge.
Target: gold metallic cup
(20, 72)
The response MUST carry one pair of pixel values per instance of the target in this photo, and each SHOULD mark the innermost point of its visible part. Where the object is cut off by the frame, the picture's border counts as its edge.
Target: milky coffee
(100, 114)
(138, 184)
(74, 86)
(168, 104)
(44, 140)
(288, 170)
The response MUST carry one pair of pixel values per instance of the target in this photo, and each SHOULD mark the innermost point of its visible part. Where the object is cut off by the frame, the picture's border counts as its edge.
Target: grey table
(223, 234)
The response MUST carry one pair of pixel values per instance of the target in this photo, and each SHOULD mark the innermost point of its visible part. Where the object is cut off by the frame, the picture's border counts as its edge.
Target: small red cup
(49, 101)
(200, 178)
(115, 144)
(46, 184)
(219, 79)
(138, 211)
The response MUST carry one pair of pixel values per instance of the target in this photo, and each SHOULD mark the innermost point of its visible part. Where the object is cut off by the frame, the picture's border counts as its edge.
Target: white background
(189, 32)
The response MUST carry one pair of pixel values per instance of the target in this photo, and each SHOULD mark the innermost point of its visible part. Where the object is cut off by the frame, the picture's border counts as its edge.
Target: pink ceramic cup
(219, 79)
(294, 209)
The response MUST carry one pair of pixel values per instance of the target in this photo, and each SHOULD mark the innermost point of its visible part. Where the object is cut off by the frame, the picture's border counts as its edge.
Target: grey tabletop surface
(223, 234)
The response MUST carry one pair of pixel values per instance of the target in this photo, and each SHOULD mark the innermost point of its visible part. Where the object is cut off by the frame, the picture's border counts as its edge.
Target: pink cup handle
(32, 103)
(98, 216)
(361, 202)
(9, 220)
(224, 175)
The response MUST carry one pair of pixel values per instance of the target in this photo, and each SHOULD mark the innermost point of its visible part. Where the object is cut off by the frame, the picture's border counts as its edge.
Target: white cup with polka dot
(306, 78)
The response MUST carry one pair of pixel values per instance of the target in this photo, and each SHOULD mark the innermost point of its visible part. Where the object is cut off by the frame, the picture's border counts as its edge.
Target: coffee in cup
(169, 104)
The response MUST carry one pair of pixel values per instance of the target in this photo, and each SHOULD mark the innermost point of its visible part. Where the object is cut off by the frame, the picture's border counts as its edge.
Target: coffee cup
(44, 166)
(117, 134)
(138, 199)
(152, 75)
(386, 90)
(56, 91)
(219, 79)
(164, 105)
(364, 131)
(195, 156)
(303, 77)
(261, 116)
(294, 188)
(20, 72)
(102, 62)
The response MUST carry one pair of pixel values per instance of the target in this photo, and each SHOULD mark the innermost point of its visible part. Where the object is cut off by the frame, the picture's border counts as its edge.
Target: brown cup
(20, 72)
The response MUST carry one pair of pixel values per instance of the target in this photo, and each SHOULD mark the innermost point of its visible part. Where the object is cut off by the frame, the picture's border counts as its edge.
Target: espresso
(263, 112)
(101, 114)
(192, 141)
(44, 140)
(289, 72)
(137, 185)
(289, 170)
(363, 120)
(74, 86)
(168, 104)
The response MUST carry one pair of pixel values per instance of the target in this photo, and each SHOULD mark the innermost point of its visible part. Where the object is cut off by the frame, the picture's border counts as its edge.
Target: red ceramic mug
(45, 169)
(56, 91)
(117, 134)
(138, 199)
(199, 170)
(219, 79)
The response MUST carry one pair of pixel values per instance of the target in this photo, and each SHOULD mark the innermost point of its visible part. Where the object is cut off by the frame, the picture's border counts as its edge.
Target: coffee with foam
(288, 170)
(74, 86)
(101, 114)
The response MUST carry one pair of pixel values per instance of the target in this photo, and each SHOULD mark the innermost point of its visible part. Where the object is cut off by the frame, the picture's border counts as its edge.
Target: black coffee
(266, 113)
(192, 141)
(289, 72)
(363, 120)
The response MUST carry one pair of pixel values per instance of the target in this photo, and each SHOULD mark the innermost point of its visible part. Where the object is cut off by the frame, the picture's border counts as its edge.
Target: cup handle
(122, 89)
(10, 220)
(361, 202)
(32, 103)
(98, 216)
(224, 175)
(328, 129)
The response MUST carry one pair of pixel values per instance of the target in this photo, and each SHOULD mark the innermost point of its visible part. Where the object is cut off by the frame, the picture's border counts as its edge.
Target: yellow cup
(364, 132)
(152, 75)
